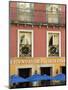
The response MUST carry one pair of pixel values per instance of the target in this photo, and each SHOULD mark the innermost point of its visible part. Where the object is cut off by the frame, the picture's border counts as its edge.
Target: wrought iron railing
(37, 16)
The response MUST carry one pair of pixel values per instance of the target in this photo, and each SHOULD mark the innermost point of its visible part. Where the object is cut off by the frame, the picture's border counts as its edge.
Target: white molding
(59, 42)
(23, 30)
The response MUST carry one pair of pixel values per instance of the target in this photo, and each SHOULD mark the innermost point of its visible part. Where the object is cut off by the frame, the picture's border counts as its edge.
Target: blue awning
(36, 77)
(16, 79)
(46, 77)
(60, 77)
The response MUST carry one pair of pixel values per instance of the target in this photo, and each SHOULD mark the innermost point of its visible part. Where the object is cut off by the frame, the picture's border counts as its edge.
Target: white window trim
(23, 30)
(59, 43)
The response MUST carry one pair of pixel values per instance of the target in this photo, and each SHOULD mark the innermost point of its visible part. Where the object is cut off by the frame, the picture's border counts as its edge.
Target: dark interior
(63, 70)
(24, 72)
(47, 71)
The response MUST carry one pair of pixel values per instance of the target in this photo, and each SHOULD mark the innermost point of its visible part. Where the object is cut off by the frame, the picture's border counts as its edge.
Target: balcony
(36, 17)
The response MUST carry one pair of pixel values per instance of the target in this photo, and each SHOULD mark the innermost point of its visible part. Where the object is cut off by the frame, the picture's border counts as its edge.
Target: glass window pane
(23, 5)
(25, 44)
(52, 12)
(56, 39)
(53, 44)
(24, 11)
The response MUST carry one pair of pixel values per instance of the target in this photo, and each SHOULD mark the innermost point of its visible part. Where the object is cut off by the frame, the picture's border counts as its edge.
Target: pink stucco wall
(40, 38)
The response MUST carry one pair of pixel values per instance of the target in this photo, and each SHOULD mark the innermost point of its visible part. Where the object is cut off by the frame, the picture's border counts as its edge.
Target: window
(52, 12)
(25, 11)
(25, 43)
(53, 43)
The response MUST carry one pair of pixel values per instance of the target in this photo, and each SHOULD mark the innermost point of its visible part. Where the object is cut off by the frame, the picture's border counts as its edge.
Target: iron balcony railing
(37, 16)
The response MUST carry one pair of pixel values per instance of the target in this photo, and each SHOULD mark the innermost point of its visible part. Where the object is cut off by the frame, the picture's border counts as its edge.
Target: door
(63, 71)
(25, 72)
(47, 71)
